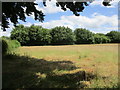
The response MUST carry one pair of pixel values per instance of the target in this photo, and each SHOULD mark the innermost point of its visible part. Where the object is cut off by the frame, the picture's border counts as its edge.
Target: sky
(95, 17)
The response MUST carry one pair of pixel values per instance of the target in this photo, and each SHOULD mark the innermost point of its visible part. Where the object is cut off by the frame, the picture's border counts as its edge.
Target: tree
(21, 34)
(114, 36)
(83, 36)
(18, 10)
(39, 35)
(62, 36)
(76, 5)
(15, 11)
(101, 38)
(33, 35)
(101, 34)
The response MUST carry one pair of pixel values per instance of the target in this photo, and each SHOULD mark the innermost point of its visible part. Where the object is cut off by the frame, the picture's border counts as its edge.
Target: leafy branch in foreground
(14, 11)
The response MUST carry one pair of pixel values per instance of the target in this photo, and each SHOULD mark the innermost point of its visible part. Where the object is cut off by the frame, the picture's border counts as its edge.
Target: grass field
(70, 66)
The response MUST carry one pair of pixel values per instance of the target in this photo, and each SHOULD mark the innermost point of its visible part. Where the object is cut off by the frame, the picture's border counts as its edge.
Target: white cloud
(96, 2)
(5, 33)
(50, 8)
(99, 2)
(8, 30)
(96, 23)
(27, 24)
(38, 1)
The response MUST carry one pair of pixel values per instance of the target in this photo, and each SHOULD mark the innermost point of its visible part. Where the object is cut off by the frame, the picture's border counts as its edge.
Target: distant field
(103, 52)
(101, 60)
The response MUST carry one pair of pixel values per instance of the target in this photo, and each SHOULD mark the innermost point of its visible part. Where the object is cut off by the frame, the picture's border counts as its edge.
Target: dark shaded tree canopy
(83, 36)
(101, 38)
(62, 36)
(31, 36)
(15, 11)
(114, 36)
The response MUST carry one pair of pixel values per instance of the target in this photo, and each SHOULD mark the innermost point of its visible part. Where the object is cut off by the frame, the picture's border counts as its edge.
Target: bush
(5, 37)
(14, 44)
(83, 36)
(9, 45)
(62, 36)
(4, 44)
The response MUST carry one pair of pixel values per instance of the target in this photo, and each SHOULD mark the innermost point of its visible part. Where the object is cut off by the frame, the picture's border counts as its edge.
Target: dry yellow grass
(102, 56)
(95, 58)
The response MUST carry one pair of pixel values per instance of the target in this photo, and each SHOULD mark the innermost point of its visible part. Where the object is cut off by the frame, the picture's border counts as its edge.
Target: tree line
(37, 35)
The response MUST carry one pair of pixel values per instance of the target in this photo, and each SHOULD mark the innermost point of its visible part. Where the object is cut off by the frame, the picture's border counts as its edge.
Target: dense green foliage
(15, 11)
(33, 35)
(114, 36)
(20, 33)
(8, 45)
(83, 36)
(4, 46)
(101, 39)
(37, 35)
(14, 44)
(5, 37)
(62, 35)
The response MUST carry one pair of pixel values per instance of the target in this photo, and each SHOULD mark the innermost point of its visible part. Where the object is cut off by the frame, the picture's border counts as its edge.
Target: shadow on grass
(26, 72)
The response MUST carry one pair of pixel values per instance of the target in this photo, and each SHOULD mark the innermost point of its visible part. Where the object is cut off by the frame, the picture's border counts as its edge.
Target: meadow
(65, 66)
